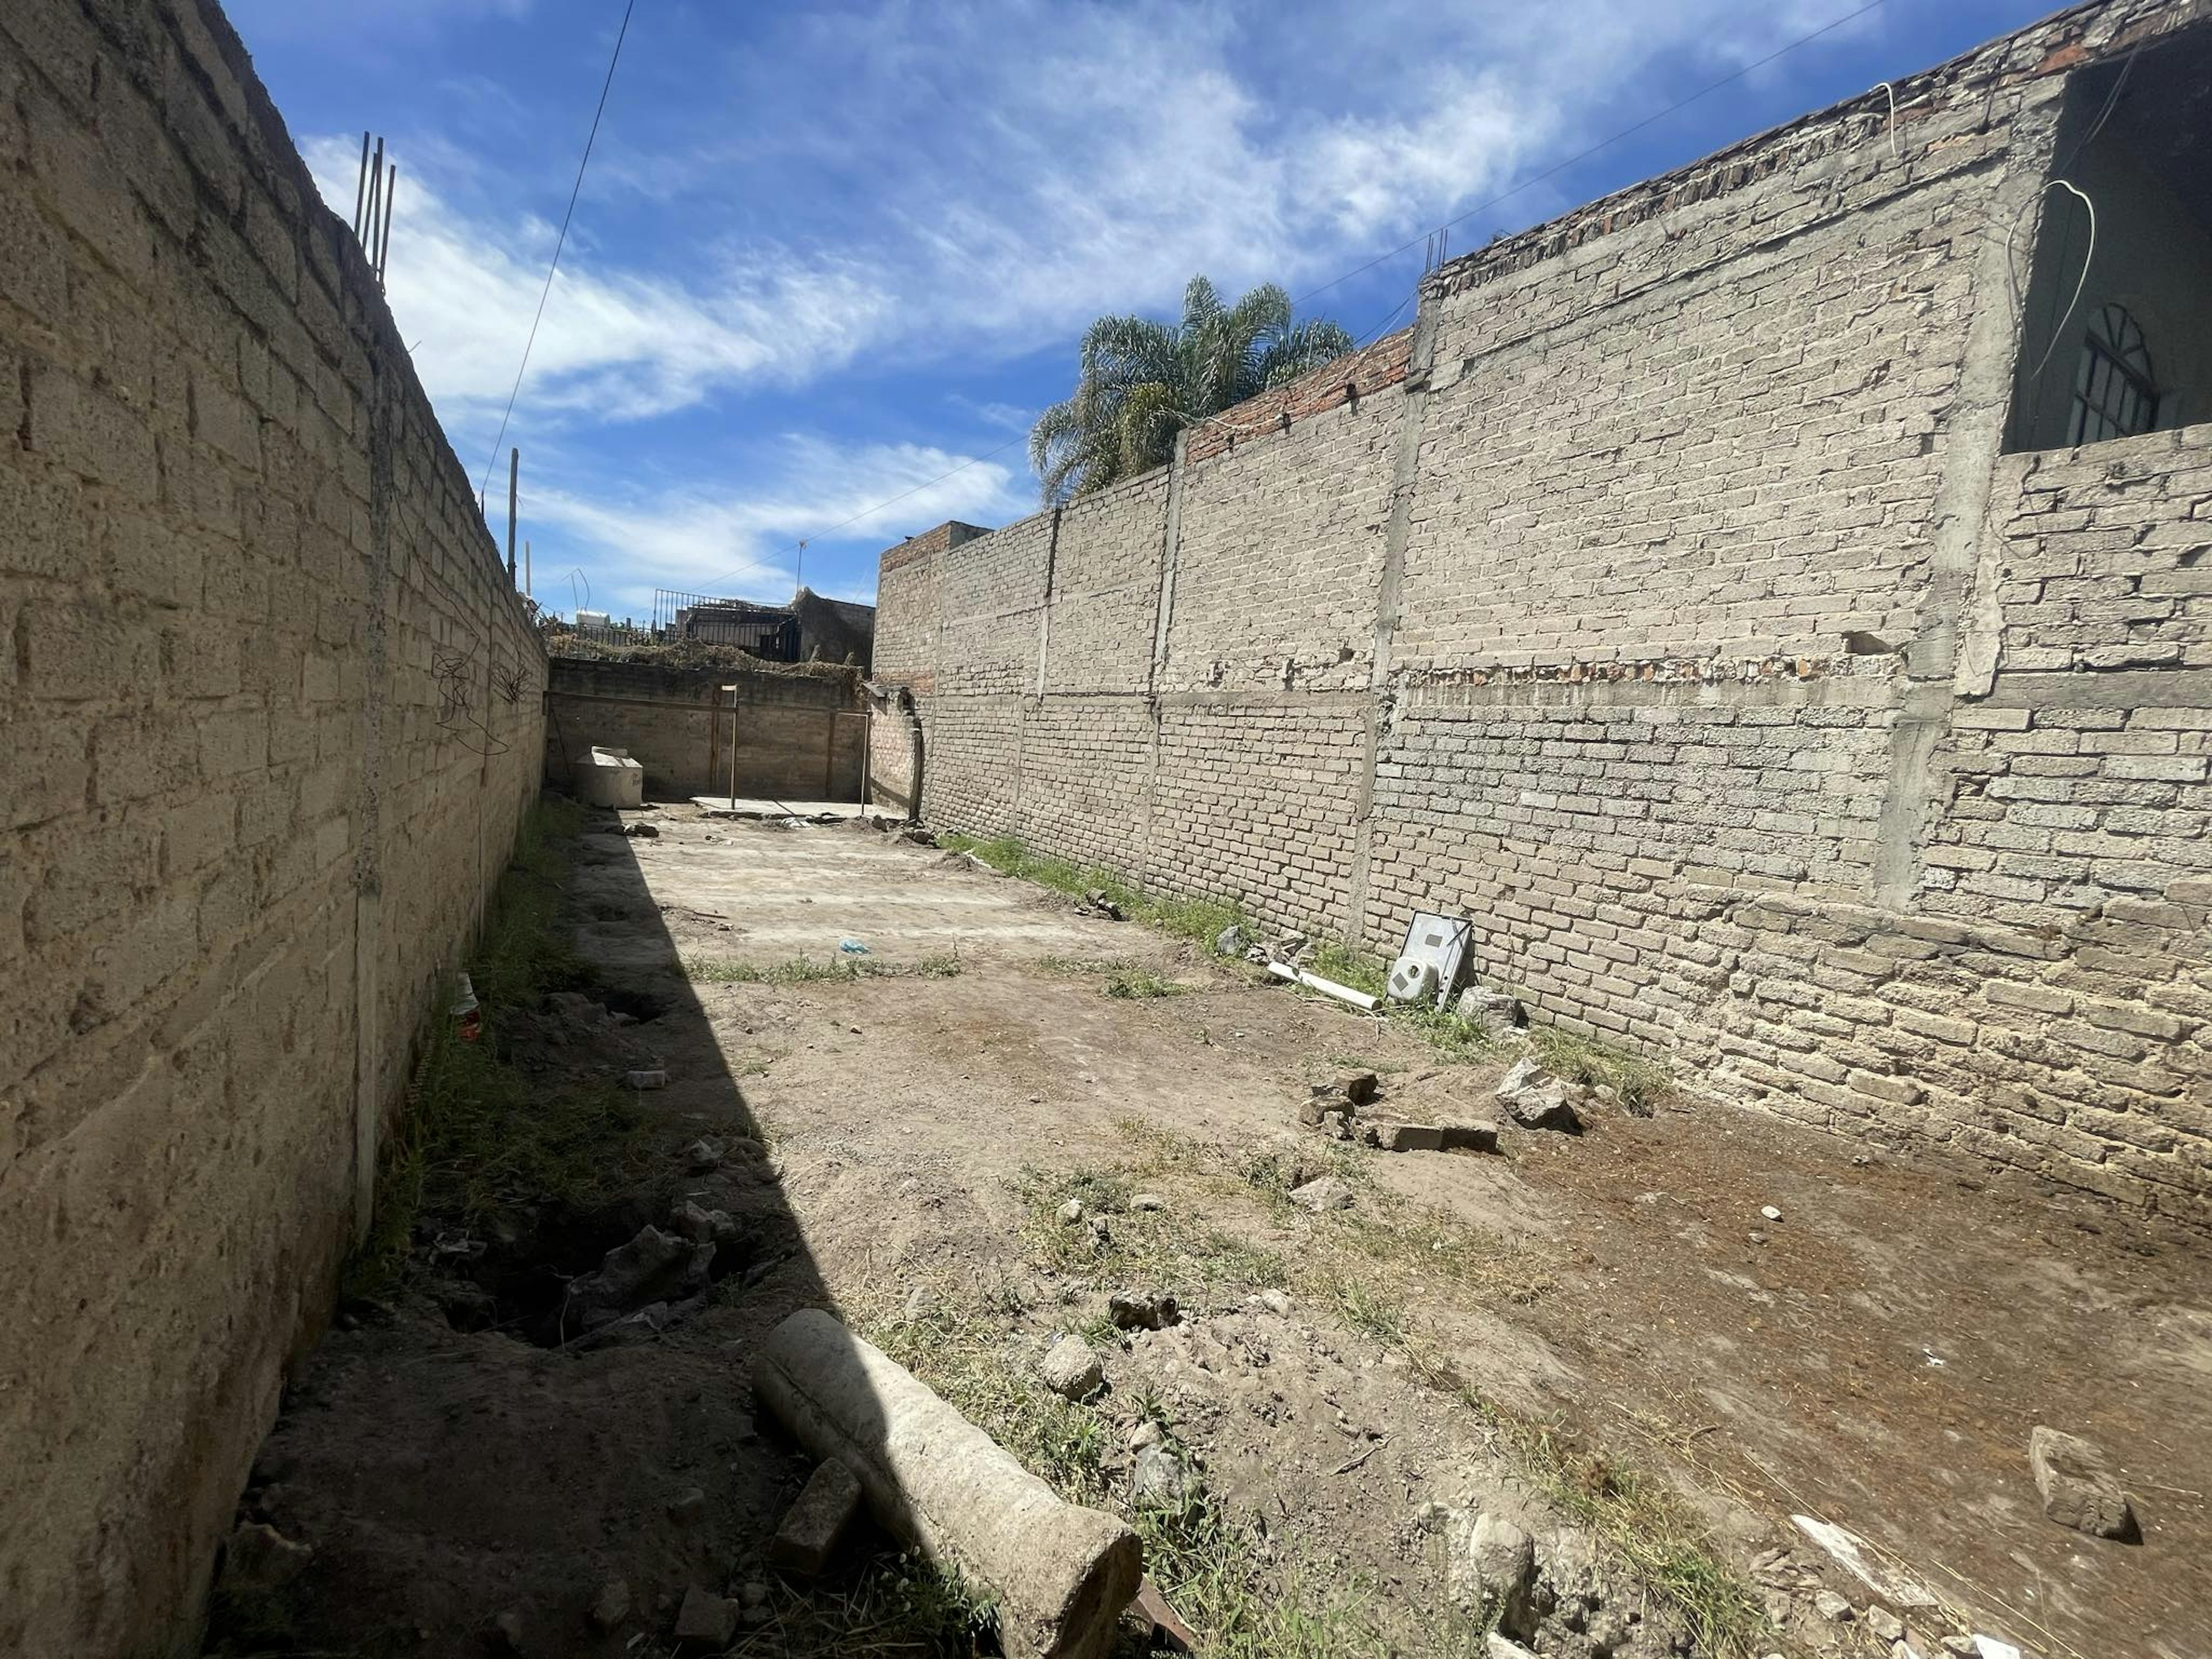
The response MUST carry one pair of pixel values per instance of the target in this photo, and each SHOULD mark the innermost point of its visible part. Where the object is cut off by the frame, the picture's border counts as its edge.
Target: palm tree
(1141, 380)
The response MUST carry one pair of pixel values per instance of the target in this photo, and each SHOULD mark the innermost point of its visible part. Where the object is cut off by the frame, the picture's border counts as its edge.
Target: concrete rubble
(1062, 1574)
(1535, 1099)
(808, 1534)
(2078, 1487)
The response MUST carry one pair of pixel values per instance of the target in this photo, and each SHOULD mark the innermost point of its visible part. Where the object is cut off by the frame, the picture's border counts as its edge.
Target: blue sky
(828, 252)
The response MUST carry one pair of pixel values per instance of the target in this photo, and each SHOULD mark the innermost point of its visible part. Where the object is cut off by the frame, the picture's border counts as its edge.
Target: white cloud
(989, 177)
(729, 542)
(617, 342)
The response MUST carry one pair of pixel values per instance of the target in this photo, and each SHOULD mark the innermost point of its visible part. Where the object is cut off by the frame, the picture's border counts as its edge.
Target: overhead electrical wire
(559, 243)
(1552, 171)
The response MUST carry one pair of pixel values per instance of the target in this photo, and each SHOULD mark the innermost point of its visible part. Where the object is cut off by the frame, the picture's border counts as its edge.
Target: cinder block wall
(1662, 601)
(272, 711)
(800, 734)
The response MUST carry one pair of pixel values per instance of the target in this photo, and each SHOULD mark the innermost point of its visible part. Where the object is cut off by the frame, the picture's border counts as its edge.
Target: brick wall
(799, 735)
(271, 712)
(1662, 600)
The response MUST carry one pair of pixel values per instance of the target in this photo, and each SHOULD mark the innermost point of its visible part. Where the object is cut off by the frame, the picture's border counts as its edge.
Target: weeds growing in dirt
(1643, 1084)
(1200, 920)
(1138, 987)
(806, 970)
(476, 1134)
(1080, 967)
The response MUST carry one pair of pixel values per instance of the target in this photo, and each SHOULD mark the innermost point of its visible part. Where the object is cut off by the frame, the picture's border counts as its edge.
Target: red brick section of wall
(1365, 372)
(273, 713)
(1662, 602)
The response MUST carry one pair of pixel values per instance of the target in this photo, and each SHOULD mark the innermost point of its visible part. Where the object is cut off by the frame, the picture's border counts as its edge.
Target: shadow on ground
(502, 1446)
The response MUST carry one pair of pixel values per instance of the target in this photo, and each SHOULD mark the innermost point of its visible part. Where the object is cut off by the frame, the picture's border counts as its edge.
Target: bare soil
(1874, 1358)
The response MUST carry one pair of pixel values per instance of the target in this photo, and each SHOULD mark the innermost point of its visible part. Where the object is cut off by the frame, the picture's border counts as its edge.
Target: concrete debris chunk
(1147, 1201)
(701, 1225)
(707, 1622)
(702, 1155)
(1151, 1310)
(643, 831)
(1535, 1099)
(1409, 1137)
(612, 1606)
(1490, 1569)
(1357, 1087)
(1161, 1479)
(1327, 1194)
(1885, 1624)
(1071, 1211)
(1071, 1369)
(1495, 1646)
(1836, 1609)
(688, 1507)
(654, 1078)
(1495, 1013)
(1336, 1125)
(259, 1560)
(1232, 940)
(814, 1523)
(2078, 1486)
(1470, 1137)
(653, 1266)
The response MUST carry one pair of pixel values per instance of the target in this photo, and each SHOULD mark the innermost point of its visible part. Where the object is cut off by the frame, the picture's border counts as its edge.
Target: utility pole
(526, 571)
(514, 476)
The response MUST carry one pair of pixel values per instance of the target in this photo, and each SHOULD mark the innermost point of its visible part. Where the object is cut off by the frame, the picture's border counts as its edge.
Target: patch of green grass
(1643, 1084)
(1133, 985)
(477, 1136)
(1367, 1310)
(1334, 959)
(1169, 1249)
(1201, 919)
(1078, 967)
(807, 970)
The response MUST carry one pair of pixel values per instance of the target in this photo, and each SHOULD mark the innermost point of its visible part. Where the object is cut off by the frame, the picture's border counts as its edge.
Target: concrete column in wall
(368, 876)
(1953, 650)
(1405, 466)
(1044, 611)
(1163, 620)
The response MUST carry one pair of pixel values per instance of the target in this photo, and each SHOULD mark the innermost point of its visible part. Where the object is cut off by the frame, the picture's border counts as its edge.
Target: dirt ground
(1345, 1384)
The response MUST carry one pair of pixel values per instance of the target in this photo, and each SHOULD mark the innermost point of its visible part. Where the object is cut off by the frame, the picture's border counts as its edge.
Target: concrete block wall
(271, 712)
(799, 735)
(1662, 600)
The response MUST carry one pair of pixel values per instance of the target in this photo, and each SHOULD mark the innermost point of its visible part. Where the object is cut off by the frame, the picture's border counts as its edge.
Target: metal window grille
(2114, 396)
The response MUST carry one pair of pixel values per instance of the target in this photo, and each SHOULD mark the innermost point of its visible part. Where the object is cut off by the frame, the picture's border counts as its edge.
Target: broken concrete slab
(816, 1521)
(1408, 1137)
(653, 1266)
(1328, 1193)
(1470, 1137)
(1535, 1099)
(1498, 1014)
(2078, 1487)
